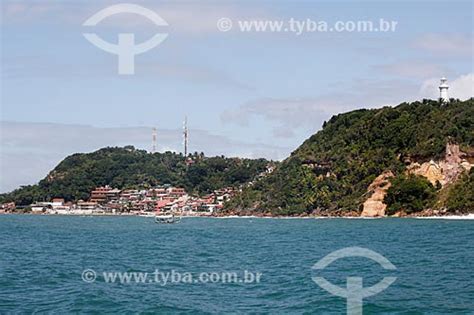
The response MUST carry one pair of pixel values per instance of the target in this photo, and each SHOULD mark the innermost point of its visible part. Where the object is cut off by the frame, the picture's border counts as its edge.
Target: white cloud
(292, 115)
(446, 44)
(289, 115)
(191, 17)
(293, 112)
(461, 87)
(412, 69)
(19, 67)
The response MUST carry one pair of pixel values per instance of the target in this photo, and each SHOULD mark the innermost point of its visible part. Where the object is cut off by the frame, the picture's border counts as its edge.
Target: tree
(409, 193)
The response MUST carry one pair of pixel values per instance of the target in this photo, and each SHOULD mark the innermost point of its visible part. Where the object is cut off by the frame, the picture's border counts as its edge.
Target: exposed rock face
(431, 170)
(445, 171)
(452, 166)
(374, 206)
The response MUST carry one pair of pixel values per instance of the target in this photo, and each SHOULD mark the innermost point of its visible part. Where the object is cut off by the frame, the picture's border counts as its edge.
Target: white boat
(144, 214)
(167, 218)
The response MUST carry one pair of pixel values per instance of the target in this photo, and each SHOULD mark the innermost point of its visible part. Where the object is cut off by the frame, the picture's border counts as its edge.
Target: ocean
(67, 264)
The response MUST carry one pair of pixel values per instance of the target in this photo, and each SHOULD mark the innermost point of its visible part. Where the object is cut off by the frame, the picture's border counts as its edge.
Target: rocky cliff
(445, 171)
(442, 172)
(374, 205)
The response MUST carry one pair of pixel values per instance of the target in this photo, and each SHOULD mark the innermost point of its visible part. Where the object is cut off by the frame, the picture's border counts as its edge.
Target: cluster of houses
(161, 199)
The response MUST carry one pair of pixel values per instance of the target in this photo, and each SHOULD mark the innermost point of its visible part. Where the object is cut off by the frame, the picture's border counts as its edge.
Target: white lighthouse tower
(443, 90)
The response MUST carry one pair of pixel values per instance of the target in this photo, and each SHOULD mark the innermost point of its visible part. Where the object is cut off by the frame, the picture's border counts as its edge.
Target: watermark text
(164, 278)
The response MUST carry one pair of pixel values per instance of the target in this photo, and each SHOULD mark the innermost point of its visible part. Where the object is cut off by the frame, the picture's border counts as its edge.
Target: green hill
(127, 167)
(332, 170)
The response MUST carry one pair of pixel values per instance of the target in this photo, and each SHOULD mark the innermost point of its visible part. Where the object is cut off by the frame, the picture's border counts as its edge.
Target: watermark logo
(89, 276)
(354, 291)
(126, 48)
(224, 24)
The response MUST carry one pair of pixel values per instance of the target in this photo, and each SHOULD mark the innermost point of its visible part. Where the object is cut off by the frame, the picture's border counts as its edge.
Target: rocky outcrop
(374, 206)
(431, 170)
(445, 171)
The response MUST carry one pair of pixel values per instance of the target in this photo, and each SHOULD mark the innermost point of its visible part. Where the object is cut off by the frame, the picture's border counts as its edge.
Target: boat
(145, 214)
(167, 218)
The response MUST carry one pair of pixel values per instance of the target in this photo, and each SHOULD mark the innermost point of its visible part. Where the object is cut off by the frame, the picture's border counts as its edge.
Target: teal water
(43, 257)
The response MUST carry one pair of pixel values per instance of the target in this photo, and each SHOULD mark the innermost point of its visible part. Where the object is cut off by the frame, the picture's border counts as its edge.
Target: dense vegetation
(409, 194)
(127, 167)
(461, 194)
(333, 168)
(330, 171)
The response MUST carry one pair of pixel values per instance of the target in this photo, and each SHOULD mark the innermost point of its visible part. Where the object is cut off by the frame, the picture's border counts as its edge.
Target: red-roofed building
(161, 204)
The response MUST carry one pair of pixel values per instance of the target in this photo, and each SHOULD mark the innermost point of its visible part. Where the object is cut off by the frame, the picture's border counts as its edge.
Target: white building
(443, 90)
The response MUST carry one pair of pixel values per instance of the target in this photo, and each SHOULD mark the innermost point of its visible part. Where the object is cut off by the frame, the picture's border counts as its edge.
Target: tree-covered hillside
(127, 167)
(461, 194)
(333, 168)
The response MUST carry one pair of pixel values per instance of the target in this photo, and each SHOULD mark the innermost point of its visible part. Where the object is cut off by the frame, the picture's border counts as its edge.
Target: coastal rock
(399, 214)
(431, 170)
(445, 171)
(374, 206)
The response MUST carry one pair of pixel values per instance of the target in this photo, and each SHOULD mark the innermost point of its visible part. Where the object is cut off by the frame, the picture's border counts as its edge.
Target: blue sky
(253, 94)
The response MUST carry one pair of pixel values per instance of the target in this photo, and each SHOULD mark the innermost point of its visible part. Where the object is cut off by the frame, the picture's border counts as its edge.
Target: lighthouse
(443, 90)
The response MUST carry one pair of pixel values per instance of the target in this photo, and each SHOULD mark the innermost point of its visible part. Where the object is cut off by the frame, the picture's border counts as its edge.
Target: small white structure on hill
(443, 90)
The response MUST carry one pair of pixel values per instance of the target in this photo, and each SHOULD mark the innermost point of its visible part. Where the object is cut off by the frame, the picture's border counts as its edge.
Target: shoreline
(468, 216)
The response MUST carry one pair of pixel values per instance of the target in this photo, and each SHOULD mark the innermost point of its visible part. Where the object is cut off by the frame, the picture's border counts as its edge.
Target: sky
(245, 93)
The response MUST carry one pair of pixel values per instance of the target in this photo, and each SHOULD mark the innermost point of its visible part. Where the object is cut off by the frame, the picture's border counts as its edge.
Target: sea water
(56, 264)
